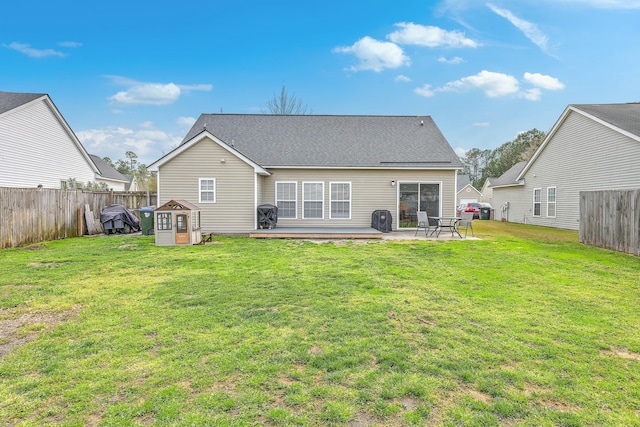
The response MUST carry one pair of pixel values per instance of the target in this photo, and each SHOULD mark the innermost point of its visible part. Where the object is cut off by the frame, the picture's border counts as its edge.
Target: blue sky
(134, 75)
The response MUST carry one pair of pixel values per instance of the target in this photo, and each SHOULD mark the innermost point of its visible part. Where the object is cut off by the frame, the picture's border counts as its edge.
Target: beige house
(467, 193)
(321, 171)
(590, 147)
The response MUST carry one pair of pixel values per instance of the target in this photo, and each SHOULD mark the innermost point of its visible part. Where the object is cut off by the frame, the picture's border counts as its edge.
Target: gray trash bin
(485, 213)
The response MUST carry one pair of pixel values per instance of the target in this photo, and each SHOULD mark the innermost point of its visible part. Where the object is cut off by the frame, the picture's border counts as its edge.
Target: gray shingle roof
(623, 116)
(510, 177)
(11, 100)
(332, 141)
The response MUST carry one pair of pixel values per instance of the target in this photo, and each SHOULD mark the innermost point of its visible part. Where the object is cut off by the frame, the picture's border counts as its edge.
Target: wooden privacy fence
(611, 219)
(30, 215)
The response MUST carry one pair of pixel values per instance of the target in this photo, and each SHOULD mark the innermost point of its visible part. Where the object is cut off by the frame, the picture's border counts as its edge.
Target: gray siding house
(321, 171)
(590, 147)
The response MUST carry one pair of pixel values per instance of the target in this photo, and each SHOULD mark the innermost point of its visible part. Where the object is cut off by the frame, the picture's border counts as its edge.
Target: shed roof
(332, 141)
(11, 100)
(173, 205)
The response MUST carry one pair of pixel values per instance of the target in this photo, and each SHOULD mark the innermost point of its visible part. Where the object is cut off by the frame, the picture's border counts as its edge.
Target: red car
(470, 207)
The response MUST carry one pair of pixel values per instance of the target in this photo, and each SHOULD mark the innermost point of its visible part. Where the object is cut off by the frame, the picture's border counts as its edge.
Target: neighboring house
(487, 191)
(590, 147)
(321, 171)
(39, 149)
(132, 183)
(108, 175)
(37, 146)
(507, 189)
(467, 193)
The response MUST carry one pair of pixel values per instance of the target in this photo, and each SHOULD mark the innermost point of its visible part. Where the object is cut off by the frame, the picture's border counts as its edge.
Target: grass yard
(525, 327)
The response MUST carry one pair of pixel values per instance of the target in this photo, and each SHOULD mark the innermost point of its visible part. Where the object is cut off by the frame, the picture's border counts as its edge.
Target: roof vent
(421, 122)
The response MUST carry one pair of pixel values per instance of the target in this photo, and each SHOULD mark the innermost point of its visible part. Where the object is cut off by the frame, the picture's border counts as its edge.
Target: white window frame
(552, 202)
(164, 221)
(305, 200)
(331, 199)
(200, 191)
(537, 192)
(295, 200)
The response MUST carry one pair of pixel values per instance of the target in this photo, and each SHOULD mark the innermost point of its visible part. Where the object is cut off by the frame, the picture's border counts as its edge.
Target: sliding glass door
(417, 196)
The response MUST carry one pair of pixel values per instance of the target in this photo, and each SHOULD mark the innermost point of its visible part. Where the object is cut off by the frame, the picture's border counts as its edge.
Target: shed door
(182, 230)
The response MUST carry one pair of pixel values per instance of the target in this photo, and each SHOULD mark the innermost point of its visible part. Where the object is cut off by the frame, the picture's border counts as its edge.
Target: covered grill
(381, 221)
(118, 219)
(267, 216)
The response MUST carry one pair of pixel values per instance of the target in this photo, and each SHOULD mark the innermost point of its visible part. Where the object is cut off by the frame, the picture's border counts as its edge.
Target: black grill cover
(381, 220)
(267, 216)
(117, 213)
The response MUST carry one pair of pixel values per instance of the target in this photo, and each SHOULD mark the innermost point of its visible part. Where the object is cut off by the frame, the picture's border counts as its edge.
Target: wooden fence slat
(611, 219)
(31, 215)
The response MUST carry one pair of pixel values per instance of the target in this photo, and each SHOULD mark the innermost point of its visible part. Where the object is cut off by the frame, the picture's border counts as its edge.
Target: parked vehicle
(470, 207)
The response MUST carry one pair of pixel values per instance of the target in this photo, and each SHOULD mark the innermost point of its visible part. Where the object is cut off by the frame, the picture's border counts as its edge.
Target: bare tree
(285, 104)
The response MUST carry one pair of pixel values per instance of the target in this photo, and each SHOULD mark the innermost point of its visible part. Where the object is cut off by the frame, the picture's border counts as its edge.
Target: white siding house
(37, 147)
(590, 147)
(321, 171)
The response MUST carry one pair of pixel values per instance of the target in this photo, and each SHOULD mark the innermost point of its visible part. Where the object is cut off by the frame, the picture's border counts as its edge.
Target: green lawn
(525, 327)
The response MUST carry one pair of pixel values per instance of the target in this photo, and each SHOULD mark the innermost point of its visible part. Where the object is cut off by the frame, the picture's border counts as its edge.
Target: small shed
(177, 223)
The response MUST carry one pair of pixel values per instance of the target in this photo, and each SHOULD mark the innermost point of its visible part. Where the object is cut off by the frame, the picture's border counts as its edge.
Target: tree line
(483, 164)
(131, 166)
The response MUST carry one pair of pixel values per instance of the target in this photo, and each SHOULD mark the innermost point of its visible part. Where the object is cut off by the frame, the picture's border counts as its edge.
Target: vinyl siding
(234, 210)
(520, 204)
(370, 190)
(35, 149)
(582, 155)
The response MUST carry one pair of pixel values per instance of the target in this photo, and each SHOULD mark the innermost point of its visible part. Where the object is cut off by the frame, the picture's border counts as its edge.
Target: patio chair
(466, 222)
(423, 222)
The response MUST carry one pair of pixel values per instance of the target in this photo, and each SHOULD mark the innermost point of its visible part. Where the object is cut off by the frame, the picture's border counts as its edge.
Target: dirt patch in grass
(18, 331)
(623, 353)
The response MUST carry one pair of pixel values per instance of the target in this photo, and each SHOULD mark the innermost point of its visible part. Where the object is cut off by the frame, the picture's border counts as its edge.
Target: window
(340, 200)
(287, 199)
(536, 201)
(551, 202)
(313, 200)
(164, 221)
(417, 196)
(207, 190)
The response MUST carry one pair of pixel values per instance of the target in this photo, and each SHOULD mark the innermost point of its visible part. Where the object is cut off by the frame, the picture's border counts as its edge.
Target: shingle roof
(332, 141)
(106, 170)
(11, 100)
(463, 180)
(622, 116)
(510, 177)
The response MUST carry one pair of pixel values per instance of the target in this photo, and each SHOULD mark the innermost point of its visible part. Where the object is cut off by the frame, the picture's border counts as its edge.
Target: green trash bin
(485, 213)
(146, 221)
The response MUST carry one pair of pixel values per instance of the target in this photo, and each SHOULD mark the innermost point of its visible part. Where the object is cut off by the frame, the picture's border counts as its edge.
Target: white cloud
(375, 55)
(143, 93)
(70, 44)
(454, 60)
(402, 79)
(146, 141)
(461, 152)
(493, 84)
(534, 94)
(425, 91)
(186, 122)
(543, 81)
(429, 36)
(529, 29)
(33, 52)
